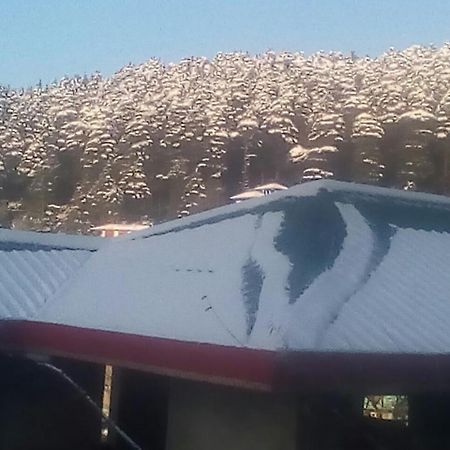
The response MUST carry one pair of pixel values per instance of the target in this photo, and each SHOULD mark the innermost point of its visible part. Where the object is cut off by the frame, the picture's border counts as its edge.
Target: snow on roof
(306, 269)
(322, 267)
(247, 195)
(120, 227)
(258, 191)
(270, 186)
(29, 277)
(29, 239)
(34, 265)
(312, 188)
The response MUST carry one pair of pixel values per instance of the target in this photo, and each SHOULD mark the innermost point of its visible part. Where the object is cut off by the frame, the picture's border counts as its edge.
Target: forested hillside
(156, 141)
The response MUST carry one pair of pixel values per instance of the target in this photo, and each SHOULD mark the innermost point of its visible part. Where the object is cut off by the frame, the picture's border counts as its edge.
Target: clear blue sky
(46, 39)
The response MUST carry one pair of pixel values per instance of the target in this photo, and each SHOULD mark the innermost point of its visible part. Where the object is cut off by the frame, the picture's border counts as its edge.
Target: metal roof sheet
(33, 266)
(303, 270)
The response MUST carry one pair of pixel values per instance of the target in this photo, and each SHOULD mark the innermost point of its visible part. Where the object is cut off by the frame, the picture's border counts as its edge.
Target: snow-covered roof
(322, 268)
(270, 186)
(22, 239)
(247, 195)
(258, 191)
(33, 266)
(120, 227)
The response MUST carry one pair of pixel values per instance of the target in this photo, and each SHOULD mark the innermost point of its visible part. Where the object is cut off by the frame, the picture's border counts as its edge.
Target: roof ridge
(305, 189)
(51, 240)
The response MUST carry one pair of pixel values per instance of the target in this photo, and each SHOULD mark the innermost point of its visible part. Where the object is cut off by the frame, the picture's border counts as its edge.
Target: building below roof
(117, 229)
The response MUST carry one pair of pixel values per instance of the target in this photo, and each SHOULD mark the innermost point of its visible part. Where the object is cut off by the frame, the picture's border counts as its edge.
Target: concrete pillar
(206, 417)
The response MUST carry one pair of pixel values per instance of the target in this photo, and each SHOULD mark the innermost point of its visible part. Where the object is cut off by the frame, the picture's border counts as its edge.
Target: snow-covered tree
(159, 141)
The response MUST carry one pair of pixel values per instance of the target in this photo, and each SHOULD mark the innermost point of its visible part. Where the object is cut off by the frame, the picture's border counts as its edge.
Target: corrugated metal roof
(320, 267)
(405, 304)
(33, 266)
(28, 278)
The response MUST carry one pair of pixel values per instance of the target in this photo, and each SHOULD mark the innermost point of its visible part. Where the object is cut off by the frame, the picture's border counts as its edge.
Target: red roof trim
(238, 366)
(207, 362)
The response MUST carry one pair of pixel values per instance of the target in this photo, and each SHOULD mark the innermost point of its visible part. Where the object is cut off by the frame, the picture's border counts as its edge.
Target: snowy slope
(324, 266)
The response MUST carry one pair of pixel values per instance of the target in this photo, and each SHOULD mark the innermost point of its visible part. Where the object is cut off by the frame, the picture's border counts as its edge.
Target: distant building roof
(247, 195)
(120, 227)
(270, 187)
(258, 191)
(276, 288)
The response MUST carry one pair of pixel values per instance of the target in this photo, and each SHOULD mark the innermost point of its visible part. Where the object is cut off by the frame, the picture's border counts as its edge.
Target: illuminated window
(386, 407)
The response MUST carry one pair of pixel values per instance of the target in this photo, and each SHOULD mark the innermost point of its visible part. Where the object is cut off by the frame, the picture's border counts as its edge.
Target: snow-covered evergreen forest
(158, 141)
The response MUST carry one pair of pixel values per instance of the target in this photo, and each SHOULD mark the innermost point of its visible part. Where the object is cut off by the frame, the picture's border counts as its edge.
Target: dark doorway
(142, 408)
